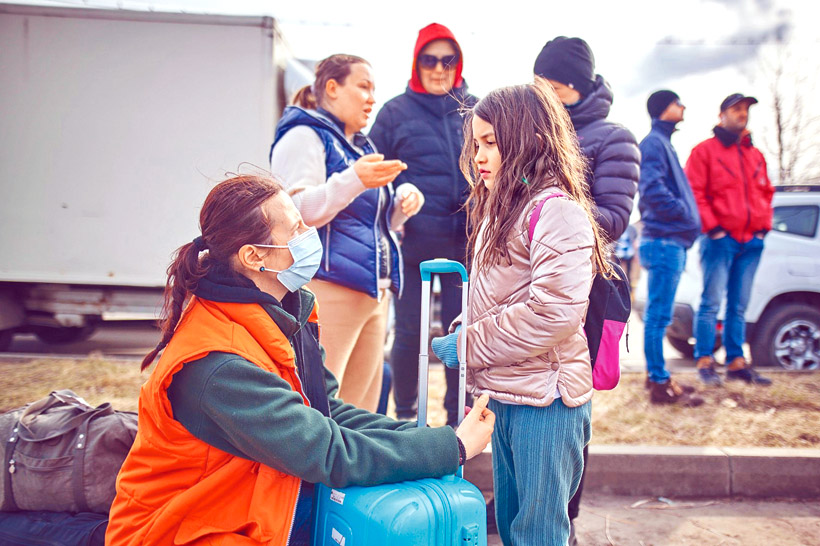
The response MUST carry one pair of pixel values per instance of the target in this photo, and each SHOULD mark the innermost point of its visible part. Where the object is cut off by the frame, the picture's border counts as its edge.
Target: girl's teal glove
(446, 348)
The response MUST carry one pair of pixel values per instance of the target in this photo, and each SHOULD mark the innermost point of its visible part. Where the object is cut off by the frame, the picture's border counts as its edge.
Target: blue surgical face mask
(306, 249)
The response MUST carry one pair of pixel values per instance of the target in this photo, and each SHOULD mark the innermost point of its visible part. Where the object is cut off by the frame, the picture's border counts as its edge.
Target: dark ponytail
(336, 67)
(231, 217)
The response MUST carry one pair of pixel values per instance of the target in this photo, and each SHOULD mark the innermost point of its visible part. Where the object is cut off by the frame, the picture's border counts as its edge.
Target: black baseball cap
(735, 98)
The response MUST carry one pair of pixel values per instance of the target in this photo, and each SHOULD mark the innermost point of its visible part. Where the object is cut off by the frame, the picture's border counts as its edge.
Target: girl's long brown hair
(231, 217)
(538, 145)
(336, 67)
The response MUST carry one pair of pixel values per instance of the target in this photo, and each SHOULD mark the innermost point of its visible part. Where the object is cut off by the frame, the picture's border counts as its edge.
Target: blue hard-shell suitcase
(429, 512)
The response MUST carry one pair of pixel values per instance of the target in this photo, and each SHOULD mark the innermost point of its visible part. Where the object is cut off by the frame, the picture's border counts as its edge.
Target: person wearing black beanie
(658, 101)
(671, 224)
(567, 67)
(569, 61)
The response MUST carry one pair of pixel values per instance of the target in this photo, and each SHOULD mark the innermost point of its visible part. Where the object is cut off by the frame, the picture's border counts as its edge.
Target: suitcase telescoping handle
(427, 269)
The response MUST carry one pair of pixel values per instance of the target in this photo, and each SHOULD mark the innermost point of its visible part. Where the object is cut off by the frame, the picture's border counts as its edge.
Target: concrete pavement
(638, 520)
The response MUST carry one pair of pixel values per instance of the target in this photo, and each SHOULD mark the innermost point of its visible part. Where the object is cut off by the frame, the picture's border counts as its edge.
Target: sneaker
(688, 389)
(740, 370)
(670, 393)
(707, 373)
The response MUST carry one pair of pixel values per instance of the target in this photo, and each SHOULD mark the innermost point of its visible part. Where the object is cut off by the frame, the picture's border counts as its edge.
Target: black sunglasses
(431, 61)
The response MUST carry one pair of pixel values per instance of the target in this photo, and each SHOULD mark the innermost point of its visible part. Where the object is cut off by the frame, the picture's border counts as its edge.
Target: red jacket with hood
(426, 132)
(731, 186)
(433, 31)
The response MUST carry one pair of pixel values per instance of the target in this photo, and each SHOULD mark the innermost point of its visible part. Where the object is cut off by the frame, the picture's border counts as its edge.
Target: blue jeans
(664, 260)
(537, 465)
(728, 271)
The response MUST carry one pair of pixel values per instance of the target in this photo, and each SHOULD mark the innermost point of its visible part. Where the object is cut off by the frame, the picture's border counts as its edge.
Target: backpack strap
(536, 214)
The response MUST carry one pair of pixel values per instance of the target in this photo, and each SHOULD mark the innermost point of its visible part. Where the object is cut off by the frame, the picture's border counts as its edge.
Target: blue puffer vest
(351, 251)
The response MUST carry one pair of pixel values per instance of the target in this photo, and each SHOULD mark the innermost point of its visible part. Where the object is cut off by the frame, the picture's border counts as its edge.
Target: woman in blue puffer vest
(423, 127)
(344, 188)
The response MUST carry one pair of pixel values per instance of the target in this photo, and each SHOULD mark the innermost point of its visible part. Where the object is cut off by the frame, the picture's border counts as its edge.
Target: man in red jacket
(734, 196)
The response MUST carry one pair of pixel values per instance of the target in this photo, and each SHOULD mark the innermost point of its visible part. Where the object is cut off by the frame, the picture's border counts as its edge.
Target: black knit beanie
(568, 61)
(659, 101)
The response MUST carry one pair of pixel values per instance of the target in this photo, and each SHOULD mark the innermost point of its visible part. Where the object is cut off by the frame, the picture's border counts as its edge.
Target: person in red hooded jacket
(423, 128)
(734, 196)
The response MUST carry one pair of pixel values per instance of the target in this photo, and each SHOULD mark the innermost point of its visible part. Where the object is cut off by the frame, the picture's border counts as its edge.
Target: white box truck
(114, 125)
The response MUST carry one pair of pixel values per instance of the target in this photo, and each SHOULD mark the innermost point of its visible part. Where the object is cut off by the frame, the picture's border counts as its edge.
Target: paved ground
(613, 520)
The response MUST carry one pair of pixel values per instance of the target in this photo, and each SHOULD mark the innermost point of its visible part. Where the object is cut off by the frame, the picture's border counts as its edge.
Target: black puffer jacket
(614, 159)
(426, 132)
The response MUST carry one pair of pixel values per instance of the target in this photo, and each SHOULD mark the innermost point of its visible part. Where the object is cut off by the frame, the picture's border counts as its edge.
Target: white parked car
(783, 315)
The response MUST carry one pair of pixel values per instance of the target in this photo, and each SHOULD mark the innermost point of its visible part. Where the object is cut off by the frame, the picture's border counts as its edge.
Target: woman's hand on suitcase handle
(476, 430)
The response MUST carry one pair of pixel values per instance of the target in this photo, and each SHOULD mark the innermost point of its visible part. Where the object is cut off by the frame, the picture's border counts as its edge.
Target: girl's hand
(476, 430)
(375, 172)
(410, 198)
(446, 348)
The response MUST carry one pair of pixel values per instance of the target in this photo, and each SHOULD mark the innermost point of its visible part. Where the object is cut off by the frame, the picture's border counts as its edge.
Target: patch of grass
(787, 414)
(95, 379)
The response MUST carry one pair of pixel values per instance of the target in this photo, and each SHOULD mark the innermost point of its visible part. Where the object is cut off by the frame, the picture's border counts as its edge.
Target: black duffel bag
(60, 454)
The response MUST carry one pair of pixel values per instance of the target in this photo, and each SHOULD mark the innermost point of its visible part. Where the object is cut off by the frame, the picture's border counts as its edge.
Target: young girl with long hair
(528, 298)
(240, 418)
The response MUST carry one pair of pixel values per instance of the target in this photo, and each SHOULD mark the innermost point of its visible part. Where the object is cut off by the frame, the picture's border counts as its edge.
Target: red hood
(433, 31)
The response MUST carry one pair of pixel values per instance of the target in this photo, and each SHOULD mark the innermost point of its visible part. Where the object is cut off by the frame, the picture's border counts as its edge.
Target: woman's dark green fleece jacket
(233, 405)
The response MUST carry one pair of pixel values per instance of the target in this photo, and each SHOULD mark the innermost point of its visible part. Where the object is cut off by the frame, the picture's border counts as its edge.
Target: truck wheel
(5, 339)
(789, 336)
(60, 336)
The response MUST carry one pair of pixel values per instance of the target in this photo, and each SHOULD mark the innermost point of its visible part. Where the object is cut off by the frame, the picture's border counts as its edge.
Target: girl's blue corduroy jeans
(537, 465)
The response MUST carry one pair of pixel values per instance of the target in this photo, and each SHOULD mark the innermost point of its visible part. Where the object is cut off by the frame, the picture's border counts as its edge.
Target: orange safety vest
(176, 489)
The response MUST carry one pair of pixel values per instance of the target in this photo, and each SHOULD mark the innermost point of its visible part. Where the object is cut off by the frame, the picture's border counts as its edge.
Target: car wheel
(788, 336)
(63, 335)
(683, 346)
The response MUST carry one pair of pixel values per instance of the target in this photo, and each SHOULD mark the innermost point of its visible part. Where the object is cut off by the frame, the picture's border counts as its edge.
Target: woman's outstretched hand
(375, 172)
(476, 430)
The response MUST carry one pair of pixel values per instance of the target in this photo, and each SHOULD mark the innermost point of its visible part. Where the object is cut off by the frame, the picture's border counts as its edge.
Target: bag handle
(536, 214)
(63, 424)
(78, 467)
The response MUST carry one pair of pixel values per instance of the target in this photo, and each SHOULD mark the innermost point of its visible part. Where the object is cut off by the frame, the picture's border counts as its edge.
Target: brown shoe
(688, 389)
(740, 369)
(671, 393)
(707, 373)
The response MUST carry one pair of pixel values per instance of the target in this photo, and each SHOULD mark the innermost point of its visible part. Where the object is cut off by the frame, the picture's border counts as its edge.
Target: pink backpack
(609, 308)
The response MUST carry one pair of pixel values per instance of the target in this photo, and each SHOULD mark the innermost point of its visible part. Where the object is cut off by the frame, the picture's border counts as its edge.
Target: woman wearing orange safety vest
(239, 417)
